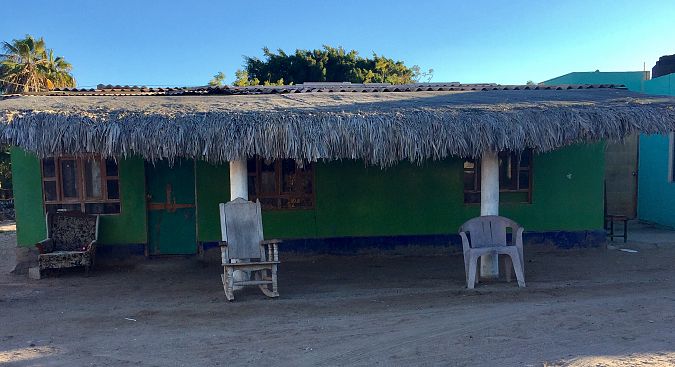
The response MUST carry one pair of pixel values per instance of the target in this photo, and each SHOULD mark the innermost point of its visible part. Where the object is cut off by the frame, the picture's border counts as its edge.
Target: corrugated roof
(315, 87)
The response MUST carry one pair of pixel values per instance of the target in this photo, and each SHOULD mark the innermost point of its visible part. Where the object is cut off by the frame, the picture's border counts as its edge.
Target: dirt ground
(580, 308)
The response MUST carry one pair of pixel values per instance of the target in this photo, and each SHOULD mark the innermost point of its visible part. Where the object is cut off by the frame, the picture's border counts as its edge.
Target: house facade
(334, 170)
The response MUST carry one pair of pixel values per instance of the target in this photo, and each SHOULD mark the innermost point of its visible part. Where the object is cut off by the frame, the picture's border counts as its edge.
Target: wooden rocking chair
(243, 248)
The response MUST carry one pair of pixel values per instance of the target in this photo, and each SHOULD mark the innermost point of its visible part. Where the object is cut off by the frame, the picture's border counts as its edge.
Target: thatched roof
(376, 125)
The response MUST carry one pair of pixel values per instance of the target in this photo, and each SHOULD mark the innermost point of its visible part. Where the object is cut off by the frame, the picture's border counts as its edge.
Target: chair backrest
(489, 230)
(241, 227)
(71, 231)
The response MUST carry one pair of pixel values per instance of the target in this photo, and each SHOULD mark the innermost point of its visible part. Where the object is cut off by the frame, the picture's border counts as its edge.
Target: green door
(171, 208)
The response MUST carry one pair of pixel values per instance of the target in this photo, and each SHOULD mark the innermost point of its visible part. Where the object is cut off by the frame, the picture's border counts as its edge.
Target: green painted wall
(130, 225)
(27, 184)
(357, 200)
(568, 191)
(212, 187)
(352, 199)
(127, 227)
(656, 192)
(633, 80)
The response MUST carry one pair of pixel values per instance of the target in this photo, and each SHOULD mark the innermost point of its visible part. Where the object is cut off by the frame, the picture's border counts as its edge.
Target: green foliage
(330, 64)
(5, 168)
(27, 65)
(241, 79)
(217, 80)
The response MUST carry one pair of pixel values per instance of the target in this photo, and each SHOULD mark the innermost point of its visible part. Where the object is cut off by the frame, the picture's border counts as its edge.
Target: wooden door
(171, 208)
(621, 170)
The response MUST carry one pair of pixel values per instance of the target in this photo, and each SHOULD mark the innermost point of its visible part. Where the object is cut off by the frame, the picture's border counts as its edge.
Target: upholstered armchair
(71, 241)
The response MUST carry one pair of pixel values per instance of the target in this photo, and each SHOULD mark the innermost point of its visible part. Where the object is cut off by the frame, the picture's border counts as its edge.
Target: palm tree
(58, 71)
(28, 66)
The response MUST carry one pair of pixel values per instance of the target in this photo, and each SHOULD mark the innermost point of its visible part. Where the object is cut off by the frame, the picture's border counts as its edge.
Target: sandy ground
(581, 308)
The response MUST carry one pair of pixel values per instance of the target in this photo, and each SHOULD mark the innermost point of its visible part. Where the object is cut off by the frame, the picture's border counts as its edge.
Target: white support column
(238, 179)
(489, 205)
(239, 189)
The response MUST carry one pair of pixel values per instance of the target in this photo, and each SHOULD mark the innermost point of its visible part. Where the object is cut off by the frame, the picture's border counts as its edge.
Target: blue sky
(186, 42)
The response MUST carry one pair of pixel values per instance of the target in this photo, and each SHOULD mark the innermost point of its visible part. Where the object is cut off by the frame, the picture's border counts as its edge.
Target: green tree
(217, 80)
(27, 65)
(5, 168)
(329, 64)
(241, 79)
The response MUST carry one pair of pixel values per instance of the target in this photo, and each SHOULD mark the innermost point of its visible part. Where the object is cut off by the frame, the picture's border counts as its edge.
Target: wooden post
(489, 205)
(238, 179)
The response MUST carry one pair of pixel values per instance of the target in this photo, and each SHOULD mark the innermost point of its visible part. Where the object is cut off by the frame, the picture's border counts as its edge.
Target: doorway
(170, 195)
(621, 181)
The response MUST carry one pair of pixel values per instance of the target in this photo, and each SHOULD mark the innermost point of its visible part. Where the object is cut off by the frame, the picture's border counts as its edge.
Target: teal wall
(633, 80)
(127, 227)
(656, 192)
(353, 199)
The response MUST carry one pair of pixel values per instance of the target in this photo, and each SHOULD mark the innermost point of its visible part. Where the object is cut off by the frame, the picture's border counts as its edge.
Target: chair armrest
(45, 246)
(272, 253)
(270, 242)
(465, 242)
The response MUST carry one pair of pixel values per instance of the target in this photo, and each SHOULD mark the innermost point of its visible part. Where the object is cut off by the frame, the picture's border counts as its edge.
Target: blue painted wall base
(354, 245)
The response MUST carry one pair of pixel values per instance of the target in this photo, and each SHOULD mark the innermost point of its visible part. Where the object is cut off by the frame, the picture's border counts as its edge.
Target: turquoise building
(656, 186)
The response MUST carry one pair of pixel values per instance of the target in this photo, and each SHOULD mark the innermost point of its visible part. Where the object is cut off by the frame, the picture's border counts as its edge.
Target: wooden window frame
(518, 169)
(278, 184)
(82, 200)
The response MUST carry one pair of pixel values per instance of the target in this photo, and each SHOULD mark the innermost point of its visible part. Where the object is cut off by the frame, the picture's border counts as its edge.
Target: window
(88, 184)
(281, 183)
(515, 178)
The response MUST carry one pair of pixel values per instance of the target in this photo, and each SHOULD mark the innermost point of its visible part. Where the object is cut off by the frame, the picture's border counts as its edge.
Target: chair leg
(473, 262)
(508, 268)
(35, 273)
(518, 267)
(275, 289)
(228, 283)
(467, 257)
(265, 288)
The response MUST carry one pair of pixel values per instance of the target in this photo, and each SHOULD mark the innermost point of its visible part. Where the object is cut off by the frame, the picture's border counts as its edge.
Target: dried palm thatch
(380, 128)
